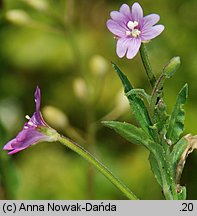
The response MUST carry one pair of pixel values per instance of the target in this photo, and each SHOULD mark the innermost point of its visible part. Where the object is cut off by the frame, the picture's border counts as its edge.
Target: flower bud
(98, 65)
(10, 113)
(55, 117)
(172, 66)
(18, 17)
(80, 88)
(40, 5)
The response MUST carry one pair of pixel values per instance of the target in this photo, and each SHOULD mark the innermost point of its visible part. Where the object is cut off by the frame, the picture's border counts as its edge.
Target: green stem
(166, 188)
(156, 85)
(174, 191)
(173, 178)
(161, 165)
(156, 93)
(147, 65)
(86, 155)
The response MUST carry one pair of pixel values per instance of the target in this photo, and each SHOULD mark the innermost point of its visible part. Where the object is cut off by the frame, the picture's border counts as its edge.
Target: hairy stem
(86, 155)
(147, 65)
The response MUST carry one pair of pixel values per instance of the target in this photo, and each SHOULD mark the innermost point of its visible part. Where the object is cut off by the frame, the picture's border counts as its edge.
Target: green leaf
(139, 92)
(126, 83)
(177, 151)
(138, 107)
(161, 117)
(136, 135)
(128, 131)
(155, 168)
(176, 121)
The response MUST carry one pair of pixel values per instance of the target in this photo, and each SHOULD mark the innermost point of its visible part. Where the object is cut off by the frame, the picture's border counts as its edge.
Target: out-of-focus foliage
(65, 48)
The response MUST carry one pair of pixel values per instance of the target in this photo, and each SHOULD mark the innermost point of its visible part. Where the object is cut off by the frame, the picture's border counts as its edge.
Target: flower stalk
(104, 170)
(147, 65)
(169, 189)
(36, 130)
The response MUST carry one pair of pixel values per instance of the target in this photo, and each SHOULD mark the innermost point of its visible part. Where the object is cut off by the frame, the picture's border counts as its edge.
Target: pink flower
(131, 29)
(31, 132)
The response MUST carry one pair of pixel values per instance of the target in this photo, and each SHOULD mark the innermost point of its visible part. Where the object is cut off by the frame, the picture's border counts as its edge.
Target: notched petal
(125, 9)
(137, 12)
(133, 48)
(122, 46)
(151, 32)
(150, 20)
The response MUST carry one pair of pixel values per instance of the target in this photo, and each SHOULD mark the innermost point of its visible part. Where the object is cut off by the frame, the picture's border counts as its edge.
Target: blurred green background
(64, 47)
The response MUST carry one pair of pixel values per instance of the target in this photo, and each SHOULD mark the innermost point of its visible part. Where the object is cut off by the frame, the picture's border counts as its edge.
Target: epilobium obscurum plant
(158, 131)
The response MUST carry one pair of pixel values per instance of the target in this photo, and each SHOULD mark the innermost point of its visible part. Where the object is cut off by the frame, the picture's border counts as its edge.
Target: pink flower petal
(125, 9)
(151, 32)
(16, 150)
(122, 46)
(120, 18)
(137, 12)
(134, 46)
(30, 133)
(8, 146)
(37, 98)
(115, 28)
(150, 20)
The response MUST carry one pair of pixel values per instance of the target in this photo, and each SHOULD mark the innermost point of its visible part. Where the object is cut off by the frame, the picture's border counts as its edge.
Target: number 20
(187, 207)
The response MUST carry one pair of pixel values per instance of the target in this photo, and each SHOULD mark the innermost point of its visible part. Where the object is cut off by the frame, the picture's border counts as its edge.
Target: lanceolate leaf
(137, 136)
(177, 151)
(155, 168)
(138, 107)
(126, 83)
(128, 131)
(139, 92)
(176, 122)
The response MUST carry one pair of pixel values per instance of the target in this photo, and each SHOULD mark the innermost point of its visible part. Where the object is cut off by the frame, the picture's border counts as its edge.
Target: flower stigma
(134, 32)
(131, 25)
